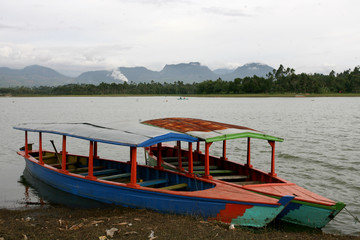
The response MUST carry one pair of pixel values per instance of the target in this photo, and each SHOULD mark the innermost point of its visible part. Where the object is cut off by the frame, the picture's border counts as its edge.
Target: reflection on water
(40, 193)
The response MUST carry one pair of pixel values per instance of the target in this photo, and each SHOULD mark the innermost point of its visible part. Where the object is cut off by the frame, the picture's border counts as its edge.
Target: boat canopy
(209, 131)
(133, 135)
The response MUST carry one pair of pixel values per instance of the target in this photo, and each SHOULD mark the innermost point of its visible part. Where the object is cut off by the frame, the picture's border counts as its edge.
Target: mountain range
(36, 75)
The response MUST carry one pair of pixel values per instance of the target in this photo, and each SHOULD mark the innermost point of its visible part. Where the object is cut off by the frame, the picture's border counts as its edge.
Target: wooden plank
(175, 187)
(174, 158)
(247, 183)
(198, 168)
(230, 177)
(153, 182)
(121, 175)
(195, 163)
(76, 170)
(102, 172)
(220, 171)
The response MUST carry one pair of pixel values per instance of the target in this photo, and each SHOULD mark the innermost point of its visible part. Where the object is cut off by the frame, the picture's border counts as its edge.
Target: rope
(356, 218)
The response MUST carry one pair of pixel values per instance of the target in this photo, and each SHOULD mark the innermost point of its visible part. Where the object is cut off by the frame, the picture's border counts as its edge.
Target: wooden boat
(307, 208)
(128, 183)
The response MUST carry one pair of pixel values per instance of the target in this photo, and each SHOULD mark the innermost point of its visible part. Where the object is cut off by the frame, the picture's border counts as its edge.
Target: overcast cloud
(84, 35)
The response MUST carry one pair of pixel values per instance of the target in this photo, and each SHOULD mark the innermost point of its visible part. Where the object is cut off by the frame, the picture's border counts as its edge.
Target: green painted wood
(174, 187)
(153, 182)
(121, 175)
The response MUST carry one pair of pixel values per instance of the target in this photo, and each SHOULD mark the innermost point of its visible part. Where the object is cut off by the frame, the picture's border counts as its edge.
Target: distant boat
(129, 184)
(183, 98)
(307, 208)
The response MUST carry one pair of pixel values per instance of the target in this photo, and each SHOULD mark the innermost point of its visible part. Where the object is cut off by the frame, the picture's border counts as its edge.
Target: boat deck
(119, 172)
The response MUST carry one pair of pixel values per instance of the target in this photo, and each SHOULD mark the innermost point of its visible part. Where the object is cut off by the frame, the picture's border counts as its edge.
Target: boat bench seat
(45, 157)
(199, 168)
(121, 175)
(101, 172)
(187, 163)
(173, 158)
(153, 182)
(76, 170)
(175, 187)
(220, 171)
(231, 177)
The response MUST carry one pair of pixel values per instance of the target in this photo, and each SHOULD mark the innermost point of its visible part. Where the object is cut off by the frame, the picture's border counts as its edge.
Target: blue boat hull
(255, 215)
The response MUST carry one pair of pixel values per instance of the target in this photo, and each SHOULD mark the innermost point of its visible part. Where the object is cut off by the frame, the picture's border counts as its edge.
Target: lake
(321, 151)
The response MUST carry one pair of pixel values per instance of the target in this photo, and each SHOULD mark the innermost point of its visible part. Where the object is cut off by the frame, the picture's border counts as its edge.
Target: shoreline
(57, 222)
(260, 95)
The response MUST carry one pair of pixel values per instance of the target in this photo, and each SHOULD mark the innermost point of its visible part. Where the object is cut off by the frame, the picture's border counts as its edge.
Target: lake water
(321, 151)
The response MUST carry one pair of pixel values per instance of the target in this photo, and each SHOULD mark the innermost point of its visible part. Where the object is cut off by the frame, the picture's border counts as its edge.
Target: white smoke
(117, 75)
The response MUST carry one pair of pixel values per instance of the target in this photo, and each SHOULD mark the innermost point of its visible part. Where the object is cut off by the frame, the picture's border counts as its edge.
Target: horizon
(74, 37)
(78, 73)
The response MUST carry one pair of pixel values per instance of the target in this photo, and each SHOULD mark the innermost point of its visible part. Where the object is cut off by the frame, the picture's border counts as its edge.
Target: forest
(280, 81)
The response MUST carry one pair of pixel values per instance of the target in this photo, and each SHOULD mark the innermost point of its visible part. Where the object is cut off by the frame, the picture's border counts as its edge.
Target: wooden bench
(153, 182)
(83, 169)
(102, 172)
(231, 177)
(173, 158)
(186, 163)
(175, 187)
(121, 175)
(199, 168)
(220, 171)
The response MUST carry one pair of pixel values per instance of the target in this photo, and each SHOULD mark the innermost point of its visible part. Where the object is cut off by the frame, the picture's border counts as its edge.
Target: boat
(307, 208)
(131, 184)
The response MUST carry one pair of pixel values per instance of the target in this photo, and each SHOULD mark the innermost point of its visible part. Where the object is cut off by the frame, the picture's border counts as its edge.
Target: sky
(311, 36)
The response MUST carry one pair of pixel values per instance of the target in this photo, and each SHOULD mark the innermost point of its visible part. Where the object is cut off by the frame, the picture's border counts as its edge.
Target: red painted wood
(63, 162)
(249, 153)
(232, 211)
(96, 150)
(133, 162)
(26, 144)
(224, 150)
(159, 157)
(179, 155)
(190, 159)
(91, 162)
(40, 150)
(272, 144)
(207, 161)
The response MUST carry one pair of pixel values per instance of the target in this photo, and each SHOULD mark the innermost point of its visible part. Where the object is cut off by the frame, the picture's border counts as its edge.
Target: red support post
(40, 150)
(248, 153)
(133, 177)
(272, 144)
(95, 150)
(190, 160)
(224, 151)
(63, 162)
(159, 157)
(91, 162)
(26, 145)
(179, 155)
(207, 161)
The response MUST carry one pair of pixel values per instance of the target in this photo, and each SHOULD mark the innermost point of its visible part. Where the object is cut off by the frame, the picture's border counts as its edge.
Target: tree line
(281, 80)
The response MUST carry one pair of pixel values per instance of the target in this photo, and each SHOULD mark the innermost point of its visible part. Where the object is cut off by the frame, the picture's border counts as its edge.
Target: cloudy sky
(84, 35)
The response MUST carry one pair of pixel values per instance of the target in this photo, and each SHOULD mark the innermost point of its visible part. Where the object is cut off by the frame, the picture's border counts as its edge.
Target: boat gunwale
(219, 186)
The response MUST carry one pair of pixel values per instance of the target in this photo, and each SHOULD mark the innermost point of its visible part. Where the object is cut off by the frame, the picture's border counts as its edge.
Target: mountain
(30, 76)
(186, 72)
(248, 70)
(222, 71)
(97, 77)
(36, 75)
(139, 74)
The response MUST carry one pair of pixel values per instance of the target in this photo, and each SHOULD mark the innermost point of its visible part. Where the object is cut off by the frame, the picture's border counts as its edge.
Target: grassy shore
(55, 222)
(260, 95)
